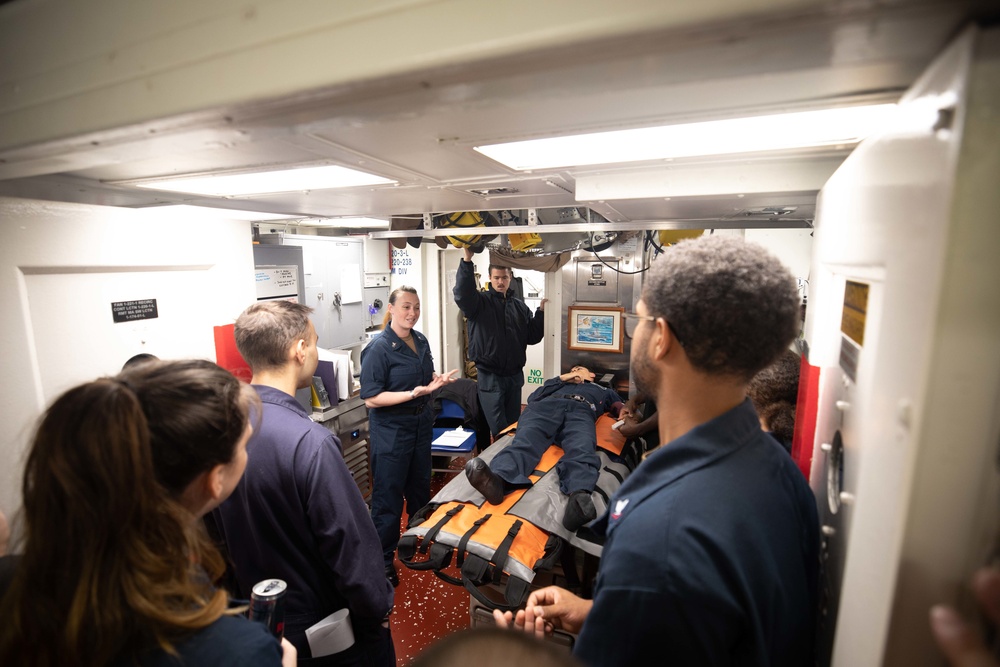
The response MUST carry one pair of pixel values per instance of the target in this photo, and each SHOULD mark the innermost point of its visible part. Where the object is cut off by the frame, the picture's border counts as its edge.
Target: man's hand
(541, 305)
(960, 643)
(289, 656)
(630, 428)
(547, 609)
(468, 253)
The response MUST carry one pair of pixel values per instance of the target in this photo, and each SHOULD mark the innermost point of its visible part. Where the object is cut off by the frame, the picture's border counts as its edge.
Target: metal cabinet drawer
(351, 419)
(350, 438)
(350, 425)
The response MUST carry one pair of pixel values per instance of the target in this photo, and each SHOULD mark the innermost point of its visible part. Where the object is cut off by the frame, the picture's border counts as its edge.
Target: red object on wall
(226, 354)
(806, 408)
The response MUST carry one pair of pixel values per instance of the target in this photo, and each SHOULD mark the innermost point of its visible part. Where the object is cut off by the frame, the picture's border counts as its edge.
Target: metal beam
(641, 225)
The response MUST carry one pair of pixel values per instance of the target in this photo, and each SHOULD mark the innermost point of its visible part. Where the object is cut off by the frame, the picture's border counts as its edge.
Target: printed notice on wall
(129, 311)
(853, 318)
(855, 311)
(277, 282)
(350, 283)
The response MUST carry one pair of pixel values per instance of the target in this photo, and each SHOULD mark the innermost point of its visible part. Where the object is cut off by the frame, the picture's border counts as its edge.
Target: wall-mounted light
(265, 182)
(346, 223)
(188, 211)
(825, 127)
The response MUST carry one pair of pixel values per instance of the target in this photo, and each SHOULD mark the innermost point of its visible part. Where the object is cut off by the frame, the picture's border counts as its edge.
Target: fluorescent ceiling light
(266, 182)
(844, 125)
(347, 223)
(187, 211)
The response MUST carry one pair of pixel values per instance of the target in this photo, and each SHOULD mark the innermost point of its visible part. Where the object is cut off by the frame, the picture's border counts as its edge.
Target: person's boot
(580, 510)
(484, 481)
(392, 575)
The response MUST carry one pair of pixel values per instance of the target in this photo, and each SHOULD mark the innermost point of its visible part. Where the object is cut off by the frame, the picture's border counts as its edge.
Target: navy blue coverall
(712, 555)
(400, 434)
(552, 416)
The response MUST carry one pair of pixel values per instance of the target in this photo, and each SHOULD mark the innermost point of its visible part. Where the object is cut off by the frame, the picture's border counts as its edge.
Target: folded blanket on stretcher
(508, 543)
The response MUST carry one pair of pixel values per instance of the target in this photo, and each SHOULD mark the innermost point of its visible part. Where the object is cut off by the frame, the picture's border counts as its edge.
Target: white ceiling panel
(631, 64)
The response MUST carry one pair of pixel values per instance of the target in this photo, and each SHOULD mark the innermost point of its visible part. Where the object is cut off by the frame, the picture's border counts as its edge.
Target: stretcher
(468, 542)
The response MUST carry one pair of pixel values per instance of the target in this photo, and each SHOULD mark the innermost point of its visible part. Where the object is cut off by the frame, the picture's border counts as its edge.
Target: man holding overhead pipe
(501, 328)
(711, 552)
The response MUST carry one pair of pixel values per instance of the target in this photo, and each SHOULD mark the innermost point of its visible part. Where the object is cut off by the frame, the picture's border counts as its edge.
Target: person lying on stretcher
(562, 411)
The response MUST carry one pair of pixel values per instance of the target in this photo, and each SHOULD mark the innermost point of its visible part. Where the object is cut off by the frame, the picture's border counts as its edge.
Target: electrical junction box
(597, 281)
(376, 280)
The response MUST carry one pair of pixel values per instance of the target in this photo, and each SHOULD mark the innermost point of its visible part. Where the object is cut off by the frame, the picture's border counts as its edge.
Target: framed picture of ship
(595, 329)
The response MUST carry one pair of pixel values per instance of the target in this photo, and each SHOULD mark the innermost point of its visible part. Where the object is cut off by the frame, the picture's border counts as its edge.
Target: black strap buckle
(581, 399)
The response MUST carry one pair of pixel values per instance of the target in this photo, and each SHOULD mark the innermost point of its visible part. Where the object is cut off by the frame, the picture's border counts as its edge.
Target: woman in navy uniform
(397, 378)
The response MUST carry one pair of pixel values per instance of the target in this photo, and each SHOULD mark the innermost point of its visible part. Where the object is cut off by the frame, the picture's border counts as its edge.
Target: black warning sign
(129, 311)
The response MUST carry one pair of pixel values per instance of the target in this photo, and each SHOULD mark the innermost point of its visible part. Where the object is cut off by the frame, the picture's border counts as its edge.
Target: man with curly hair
(711, 552)
(774, 392)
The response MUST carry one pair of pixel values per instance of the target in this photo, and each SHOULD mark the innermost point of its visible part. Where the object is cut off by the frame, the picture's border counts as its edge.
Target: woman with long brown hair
(116, 566)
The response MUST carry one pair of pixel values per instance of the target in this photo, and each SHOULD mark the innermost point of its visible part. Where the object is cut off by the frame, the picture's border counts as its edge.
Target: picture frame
(595, 329)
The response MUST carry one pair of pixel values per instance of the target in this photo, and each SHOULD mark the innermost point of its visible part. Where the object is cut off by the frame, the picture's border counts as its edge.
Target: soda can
(267, 605)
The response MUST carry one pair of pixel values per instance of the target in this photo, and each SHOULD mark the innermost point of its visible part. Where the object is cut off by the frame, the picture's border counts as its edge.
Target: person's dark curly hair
(774, 391)
(732, 305)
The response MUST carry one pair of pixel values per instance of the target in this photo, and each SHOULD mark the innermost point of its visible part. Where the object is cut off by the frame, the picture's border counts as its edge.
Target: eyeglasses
(641, 318)
(651, 318)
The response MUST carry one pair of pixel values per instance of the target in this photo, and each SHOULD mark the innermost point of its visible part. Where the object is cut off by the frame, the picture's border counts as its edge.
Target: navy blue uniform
(553, 417)
(711, 555)
(298, 515)
(500, 330)
(229, 641)
(401, 434)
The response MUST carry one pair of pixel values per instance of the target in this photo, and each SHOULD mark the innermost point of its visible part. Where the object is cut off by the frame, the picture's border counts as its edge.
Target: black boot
(580, 510)
(484, 481)
(392, 575)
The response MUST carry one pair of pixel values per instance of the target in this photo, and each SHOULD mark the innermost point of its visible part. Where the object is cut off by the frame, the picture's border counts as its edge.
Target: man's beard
(644, 374)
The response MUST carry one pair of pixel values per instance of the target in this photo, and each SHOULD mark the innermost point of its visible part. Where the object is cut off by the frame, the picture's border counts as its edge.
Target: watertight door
(904, 326)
